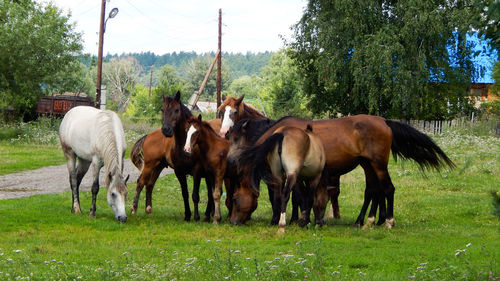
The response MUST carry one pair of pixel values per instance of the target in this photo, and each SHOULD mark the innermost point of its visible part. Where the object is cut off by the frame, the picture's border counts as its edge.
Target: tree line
(410, 59)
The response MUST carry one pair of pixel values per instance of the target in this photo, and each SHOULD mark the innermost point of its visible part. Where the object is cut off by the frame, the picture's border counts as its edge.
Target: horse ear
(199, 117)
(178, 96)
(239, 100)
(224, 97)
(244, 126)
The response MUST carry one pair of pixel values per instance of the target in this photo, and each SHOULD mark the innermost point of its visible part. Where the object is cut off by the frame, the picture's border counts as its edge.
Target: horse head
(173, 113)
(194, 124)
(232, 108)
(244, 203)
(117, 194)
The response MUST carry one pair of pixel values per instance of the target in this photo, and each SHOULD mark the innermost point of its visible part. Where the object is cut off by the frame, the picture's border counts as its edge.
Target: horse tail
(256, 157)
(409, 143)
(136, 153)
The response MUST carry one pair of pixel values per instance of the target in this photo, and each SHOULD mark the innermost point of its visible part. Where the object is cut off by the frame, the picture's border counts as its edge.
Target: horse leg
(150, 184)
(209, 211)
(371, 193)
(333, 188)
(296, 194)
(73, 182)
(285, 196)
(95, 186)
(229, 183)
(141, 182)
(305, 202)
(195, 196)
(185, 194)
(274, 197)
(219, 178)
(387, 193)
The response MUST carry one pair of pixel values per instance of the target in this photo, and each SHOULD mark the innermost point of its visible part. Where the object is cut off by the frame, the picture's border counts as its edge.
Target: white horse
(89, 135)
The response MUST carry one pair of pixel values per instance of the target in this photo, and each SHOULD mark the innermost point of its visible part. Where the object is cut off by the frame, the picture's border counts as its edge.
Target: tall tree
(197, 70)
(120, 76)
(404, 59)
(38, 46)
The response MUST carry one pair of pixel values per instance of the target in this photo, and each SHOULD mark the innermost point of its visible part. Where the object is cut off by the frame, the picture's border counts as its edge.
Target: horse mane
(251, 112)
(108, 143)
(256, 131)
(185, 111)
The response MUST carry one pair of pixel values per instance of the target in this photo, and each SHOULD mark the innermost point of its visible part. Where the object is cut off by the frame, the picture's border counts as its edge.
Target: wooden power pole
(219, 62)
(99, 56)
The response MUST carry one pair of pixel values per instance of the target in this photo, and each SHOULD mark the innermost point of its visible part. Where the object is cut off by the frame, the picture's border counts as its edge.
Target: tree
(38, 51)
(403, 59)
(282, 88)
(120, 75)
(248, 85)
(197, 70)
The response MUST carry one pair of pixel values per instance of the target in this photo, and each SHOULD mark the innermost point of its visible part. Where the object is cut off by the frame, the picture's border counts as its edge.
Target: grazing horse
(212, 152)
(288, 156)
(367, 141)
(92, 136)
(234, 109)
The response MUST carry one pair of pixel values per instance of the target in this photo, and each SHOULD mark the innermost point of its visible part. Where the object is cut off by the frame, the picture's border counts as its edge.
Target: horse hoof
(356, 225)
(281, 230)
(389, 223)
(321, 222)
(370, 222)
(206, 219)
(133, 211)
(303, 223)
(92, 216)
(196, 218)
(149, 209)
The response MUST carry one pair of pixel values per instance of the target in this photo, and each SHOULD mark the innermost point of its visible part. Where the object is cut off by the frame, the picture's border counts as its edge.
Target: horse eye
(113, 195)
(177, 110)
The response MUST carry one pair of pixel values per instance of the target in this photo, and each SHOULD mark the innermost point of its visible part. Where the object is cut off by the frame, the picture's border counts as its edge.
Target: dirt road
(54, 179)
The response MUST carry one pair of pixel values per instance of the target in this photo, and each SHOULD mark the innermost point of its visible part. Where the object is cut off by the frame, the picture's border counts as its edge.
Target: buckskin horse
(367, 141)
(92, 136)
(288, 156)
(211, 153)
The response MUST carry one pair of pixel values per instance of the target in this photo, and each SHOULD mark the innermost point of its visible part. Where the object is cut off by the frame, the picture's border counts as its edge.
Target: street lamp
(102, 28)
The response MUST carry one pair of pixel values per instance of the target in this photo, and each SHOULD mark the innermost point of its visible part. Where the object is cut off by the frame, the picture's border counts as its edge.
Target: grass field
(445, 230)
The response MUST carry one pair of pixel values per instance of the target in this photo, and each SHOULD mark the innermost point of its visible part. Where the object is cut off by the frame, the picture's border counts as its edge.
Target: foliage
(197, 69)
(491, 109)
(247, 85)
(444, 230)
(120, 76)
(38, 48)
(399, 59)
(281, 87)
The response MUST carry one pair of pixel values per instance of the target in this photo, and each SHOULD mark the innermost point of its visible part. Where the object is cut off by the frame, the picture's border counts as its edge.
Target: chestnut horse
(234, 109)
(367, 141)
(288, 156)
(211, 152)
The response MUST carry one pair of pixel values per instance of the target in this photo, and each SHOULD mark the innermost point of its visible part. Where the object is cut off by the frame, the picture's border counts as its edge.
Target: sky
(166, 26)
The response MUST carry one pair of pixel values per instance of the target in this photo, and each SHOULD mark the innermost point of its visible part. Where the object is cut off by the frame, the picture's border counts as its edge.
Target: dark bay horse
(234, 109)
(367, 141)
(288, 156)
(204, 144)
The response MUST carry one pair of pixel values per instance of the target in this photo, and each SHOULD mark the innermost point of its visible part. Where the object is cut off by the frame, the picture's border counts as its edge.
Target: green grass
(16, 157)
(437, 216)
(445, 229)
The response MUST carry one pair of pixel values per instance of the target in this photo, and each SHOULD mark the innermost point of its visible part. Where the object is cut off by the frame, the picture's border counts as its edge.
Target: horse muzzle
(122, 219)
(167, 131)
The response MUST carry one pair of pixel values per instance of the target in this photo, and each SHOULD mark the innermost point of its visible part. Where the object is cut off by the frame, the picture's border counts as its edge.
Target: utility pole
(219, 61)
(99, 55)
(150, 81)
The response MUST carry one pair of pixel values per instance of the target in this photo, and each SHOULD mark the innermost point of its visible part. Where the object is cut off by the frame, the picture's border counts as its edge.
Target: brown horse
(156, 151)
(211, 152)
(233, 110)
(288, 156)
(367, 141)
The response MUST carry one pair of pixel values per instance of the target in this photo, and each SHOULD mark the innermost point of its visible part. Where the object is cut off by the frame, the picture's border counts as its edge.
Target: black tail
(136, 153)
(256, 157)
(409, 143)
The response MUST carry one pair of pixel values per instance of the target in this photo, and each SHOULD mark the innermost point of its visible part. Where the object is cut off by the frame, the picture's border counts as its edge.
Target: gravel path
(54, 179)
